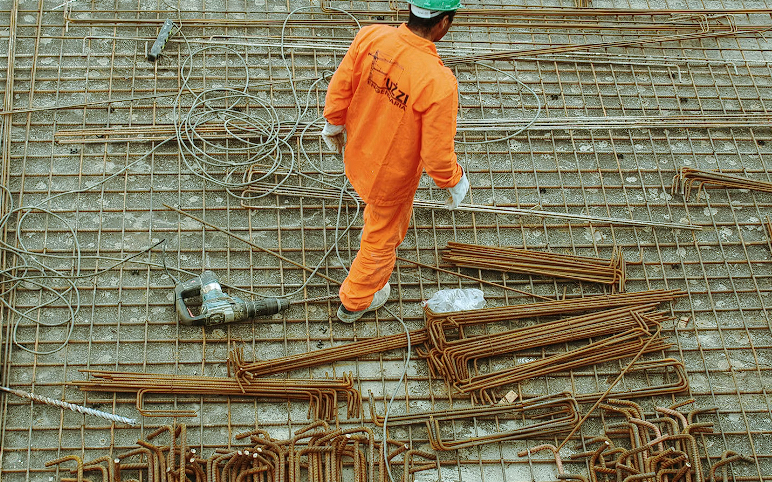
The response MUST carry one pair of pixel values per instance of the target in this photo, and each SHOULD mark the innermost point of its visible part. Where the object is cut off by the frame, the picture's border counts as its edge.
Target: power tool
(218, 307)
(160, 41)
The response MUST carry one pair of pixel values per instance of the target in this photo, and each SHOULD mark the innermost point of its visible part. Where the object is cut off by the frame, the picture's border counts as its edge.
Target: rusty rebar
(673, 455)
(452, 358)
(546, 415)
(323, 393)
(249, 371)
(316, 453)
(768, 229)
(727, 457)
(526, 261)
(482, 281)
(687, 177)
(612, 348)
(438, 323)
(668, 367)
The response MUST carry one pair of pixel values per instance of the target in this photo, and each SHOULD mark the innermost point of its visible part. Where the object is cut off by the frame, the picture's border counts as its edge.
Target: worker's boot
(379, 299)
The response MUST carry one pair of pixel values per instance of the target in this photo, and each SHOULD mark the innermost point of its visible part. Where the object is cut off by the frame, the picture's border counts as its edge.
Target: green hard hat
(437, 5)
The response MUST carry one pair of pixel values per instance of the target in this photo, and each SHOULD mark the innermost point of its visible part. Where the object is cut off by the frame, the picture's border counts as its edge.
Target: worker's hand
(334, 137)
(457, 193)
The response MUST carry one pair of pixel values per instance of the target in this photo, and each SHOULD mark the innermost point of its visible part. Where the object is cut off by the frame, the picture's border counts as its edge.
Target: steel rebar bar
(322, 393)
(687, 177)
(526, 261)
(71, 406)
(334, 195)
(249, 371)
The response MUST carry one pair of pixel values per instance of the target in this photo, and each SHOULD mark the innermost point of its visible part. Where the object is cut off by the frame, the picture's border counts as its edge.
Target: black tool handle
(187, 289)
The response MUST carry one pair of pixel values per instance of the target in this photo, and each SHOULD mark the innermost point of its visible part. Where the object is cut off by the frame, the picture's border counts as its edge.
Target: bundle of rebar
(451, 359)
(447, 330)
(661, 448)
(316, 453)
(613, 348)
(625, 320)
(537, 417)
(526, 261)
(323, 394)
(248, 372)
(687, 177)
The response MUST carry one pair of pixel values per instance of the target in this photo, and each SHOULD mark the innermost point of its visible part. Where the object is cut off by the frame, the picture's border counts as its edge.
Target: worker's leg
(384, 229)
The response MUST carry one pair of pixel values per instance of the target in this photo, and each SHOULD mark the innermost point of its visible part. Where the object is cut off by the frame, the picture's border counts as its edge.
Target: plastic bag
(456, 299)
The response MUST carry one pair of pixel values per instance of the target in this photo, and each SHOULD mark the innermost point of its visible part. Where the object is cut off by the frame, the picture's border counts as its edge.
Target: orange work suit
(399, 104)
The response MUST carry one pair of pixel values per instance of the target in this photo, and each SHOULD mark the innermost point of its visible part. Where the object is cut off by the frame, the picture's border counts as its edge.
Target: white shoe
(379, 299)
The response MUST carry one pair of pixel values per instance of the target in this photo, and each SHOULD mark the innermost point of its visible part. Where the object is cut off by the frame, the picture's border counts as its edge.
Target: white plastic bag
(456, 299)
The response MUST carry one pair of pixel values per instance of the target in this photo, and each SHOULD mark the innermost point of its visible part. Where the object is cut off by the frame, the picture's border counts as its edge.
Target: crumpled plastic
(456, 299)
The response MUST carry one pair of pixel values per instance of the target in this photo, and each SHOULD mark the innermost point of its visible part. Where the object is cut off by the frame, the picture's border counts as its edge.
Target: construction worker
(393, 104)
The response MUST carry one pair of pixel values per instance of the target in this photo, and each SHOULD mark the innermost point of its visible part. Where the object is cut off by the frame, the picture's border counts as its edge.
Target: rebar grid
(722, 332)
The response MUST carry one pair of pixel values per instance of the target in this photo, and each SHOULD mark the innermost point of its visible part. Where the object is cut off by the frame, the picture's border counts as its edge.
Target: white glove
(457, 193)
(334, 137)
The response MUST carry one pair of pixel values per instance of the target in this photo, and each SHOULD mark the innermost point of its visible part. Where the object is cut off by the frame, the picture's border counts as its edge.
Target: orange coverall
(399, 104)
